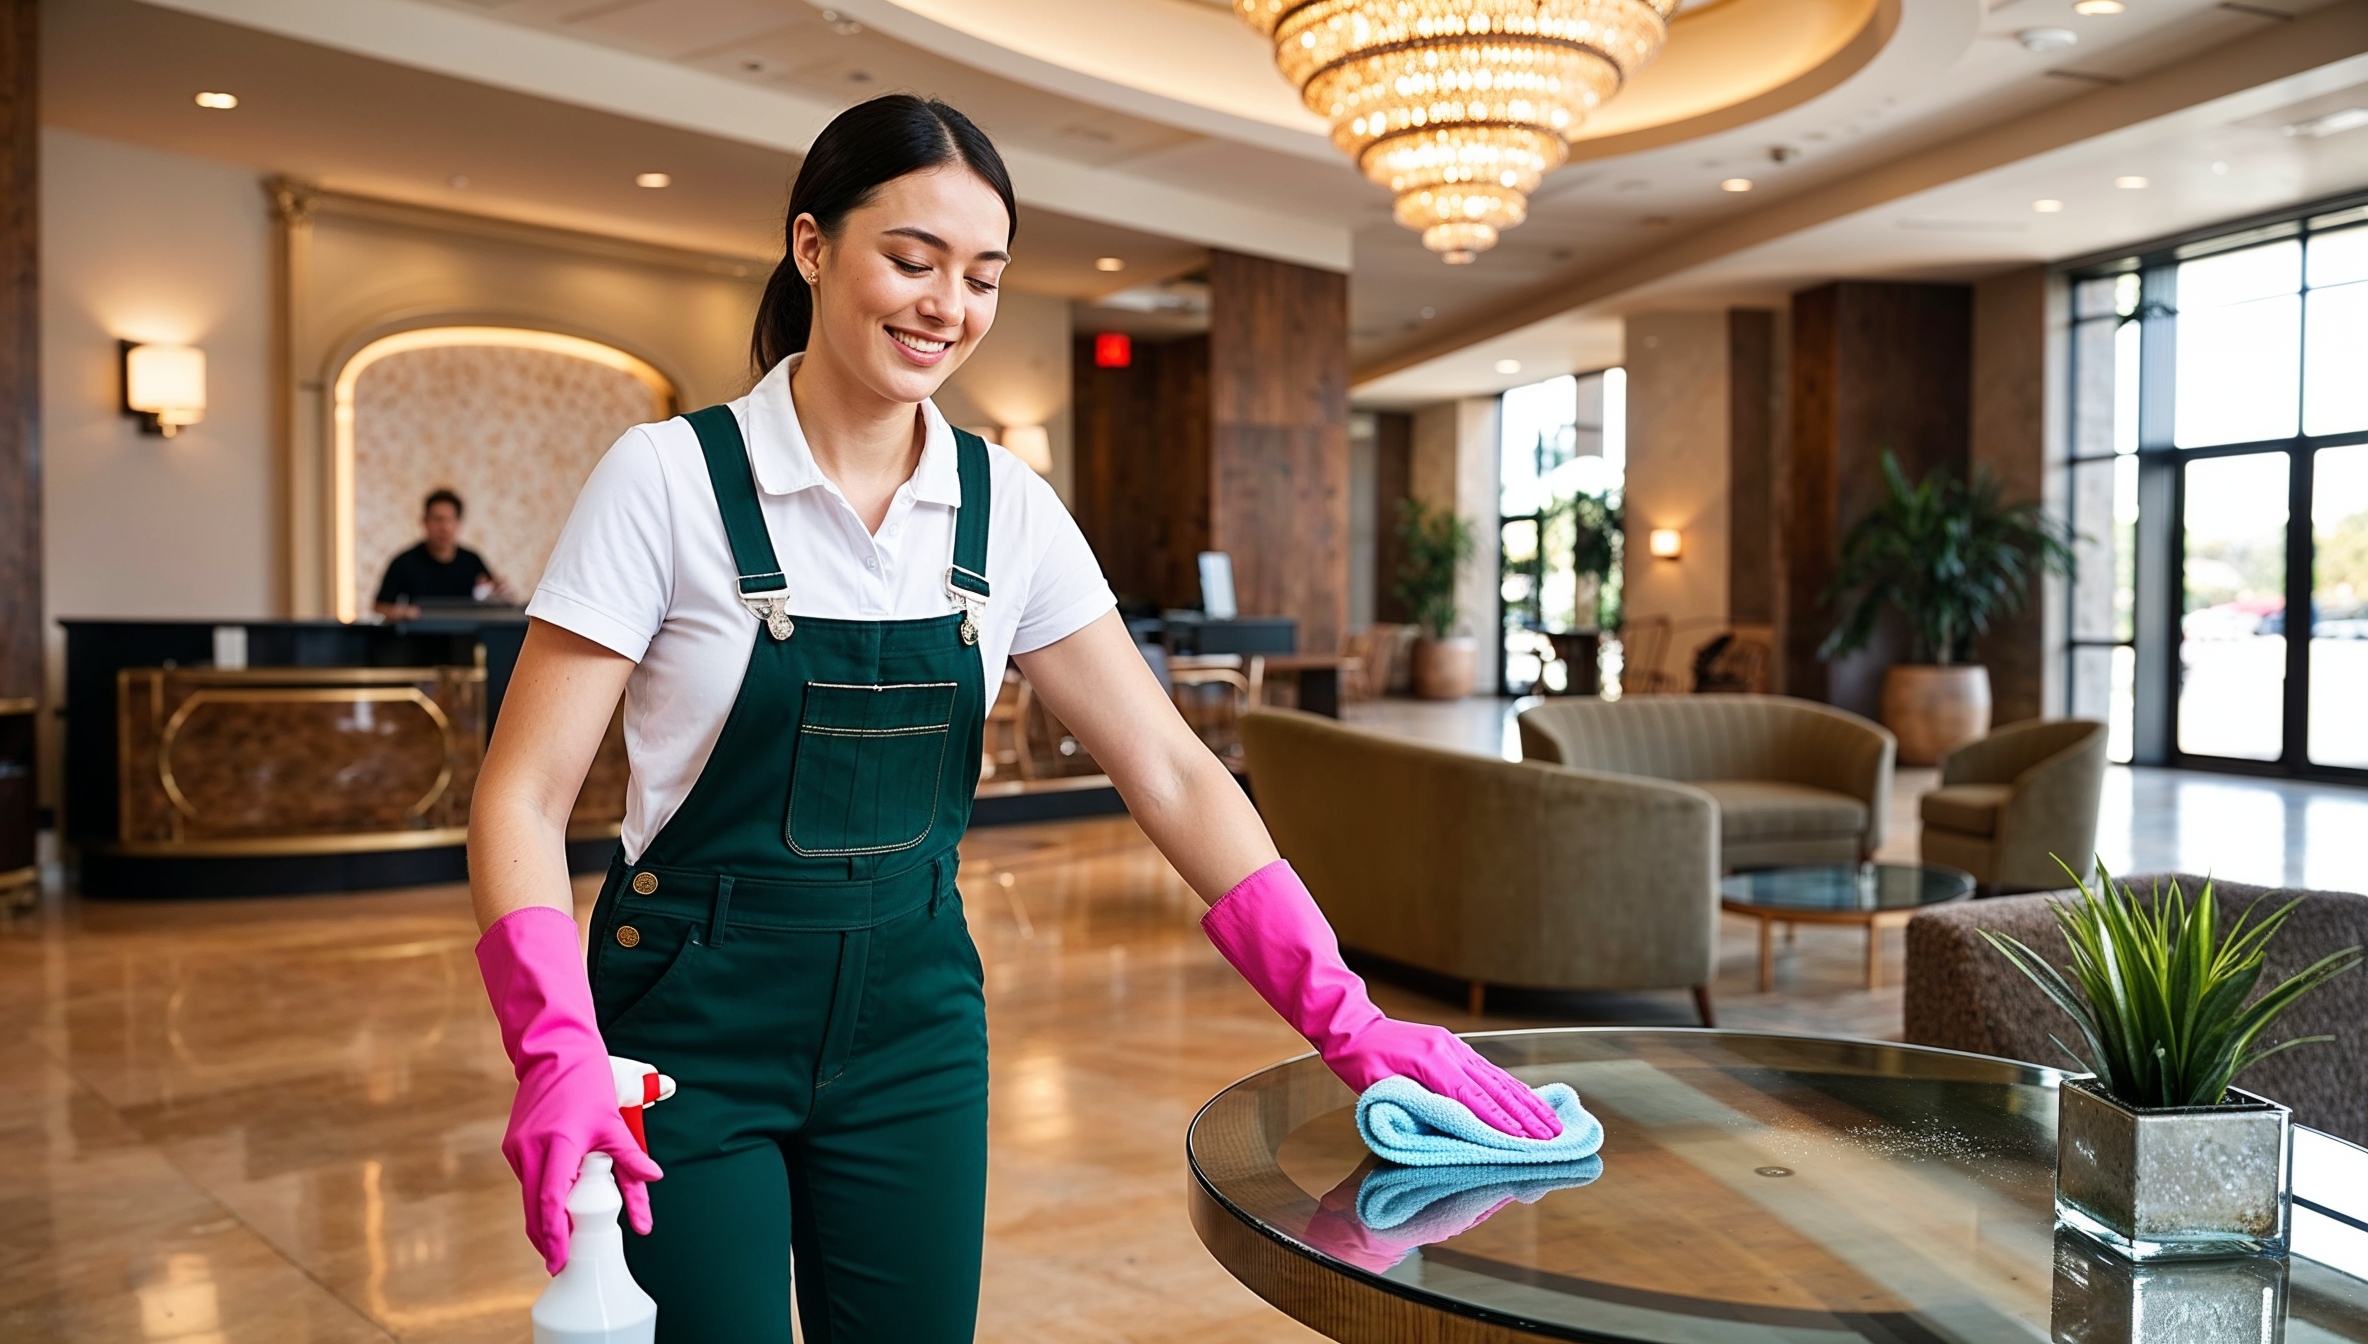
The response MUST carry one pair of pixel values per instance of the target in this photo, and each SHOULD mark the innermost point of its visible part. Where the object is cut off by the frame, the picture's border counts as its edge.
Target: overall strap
(969, 572)
(728, 468)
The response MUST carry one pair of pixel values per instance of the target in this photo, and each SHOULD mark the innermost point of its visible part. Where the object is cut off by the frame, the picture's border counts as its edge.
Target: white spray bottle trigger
(594, 1300)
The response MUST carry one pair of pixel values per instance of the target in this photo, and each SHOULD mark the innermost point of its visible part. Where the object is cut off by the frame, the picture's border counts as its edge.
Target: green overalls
(791, 949)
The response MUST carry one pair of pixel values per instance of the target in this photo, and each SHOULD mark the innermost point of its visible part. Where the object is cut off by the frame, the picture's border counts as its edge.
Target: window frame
(2157, 581)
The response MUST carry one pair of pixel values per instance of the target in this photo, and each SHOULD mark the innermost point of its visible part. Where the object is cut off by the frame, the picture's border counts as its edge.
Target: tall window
(1564, 454)
(2219, 485)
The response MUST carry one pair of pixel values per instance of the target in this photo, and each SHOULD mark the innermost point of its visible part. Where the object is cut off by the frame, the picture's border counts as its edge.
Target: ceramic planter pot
(1935, 710)
(1443, 667)
(2189, 1182)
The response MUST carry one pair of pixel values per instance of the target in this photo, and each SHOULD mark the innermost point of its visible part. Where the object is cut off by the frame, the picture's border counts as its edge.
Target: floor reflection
(278, 1120)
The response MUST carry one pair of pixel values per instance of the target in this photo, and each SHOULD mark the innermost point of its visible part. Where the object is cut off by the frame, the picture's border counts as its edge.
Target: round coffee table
(1877, 895)
(1753, 1188)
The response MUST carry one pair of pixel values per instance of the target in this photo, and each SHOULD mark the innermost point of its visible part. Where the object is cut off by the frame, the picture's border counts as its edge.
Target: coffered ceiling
(1164, 120)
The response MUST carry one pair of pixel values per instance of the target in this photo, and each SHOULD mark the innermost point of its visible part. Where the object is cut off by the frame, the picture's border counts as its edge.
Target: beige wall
(1456, 463)
(148, 246)
(1020, 375)
(1678, 468)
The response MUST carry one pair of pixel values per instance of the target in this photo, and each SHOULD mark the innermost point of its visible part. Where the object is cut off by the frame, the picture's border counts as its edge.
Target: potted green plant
(1597, 525)
(1951, 556)
(2157, 1156)
(1436, 544)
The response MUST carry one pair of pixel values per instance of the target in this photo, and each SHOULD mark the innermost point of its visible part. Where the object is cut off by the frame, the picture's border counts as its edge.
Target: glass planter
(2189, 1182)
(2100, 1298)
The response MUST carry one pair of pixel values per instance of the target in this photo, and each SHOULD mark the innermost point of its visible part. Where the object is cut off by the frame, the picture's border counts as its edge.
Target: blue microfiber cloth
(1406, 1123)
(1428, 1204)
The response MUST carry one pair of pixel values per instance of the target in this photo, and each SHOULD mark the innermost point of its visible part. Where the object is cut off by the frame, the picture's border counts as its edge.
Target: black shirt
(416, 576)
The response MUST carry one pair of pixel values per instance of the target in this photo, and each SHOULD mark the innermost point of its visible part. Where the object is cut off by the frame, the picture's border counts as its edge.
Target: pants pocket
(637, 961)
(869, 763)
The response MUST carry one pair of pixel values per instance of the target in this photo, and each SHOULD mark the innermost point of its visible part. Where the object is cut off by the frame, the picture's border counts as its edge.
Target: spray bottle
(594, 1300)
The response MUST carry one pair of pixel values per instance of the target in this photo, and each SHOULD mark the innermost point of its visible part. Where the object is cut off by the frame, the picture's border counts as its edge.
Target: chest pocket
(869, 764)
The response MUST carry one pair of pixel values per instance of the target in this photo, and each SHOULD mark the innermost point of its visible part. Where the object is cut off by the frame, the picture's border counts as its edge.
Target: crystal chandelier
(1459, 107)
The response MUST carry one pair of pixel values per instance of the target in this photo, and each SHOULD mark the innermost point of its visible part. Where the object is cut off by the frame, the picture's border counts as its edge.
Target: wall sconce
(1665, 543)
(1030, 444)
(164, 386)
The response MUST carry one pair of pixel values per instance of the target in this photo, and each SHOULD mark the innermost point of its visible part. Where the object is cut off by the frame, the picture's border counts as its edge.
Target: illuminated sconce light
(1113, 350)
(1665, 543)
(1030, 444)
(164, 386)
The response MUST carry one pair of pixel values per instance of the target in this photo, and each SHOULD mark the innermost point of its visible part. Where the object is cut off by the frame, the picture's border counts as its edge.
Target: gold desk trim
(19, 704)
(143, 690)
(355, 842)
(27, 876)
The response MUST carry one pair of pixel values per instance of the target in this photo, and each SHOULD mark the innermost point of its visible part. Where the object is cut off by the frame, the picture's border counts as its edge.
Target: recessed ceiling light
(1735, 184)
(1429, 312)
(2334, 123)
(2047, 39)
(459, 181)
(652, 180)
(2098, 8)
(1508, 366)
(220, 102)
(2132, 183)
(1109, 263)
(2048, 206)
(2219, 169)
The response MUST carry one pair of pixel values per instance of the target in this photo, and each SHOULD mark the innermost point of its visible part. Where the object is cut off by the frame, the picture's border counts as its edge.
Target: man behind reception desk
(439, 569)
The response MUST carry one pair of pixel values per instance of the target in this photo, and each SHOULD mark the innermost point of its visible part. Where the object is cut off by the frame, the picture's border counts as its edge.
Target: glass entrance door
(2232, 626)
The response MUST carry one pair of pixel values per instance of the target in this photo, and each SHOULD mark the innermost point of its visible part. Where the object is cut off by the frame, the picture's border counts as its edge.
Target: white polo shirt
(644, 568)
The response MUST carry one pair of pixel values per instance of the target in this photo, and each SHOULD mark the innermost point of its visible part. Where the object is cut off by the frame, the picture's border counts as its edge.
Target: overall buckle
(969, 589)
(772, 608)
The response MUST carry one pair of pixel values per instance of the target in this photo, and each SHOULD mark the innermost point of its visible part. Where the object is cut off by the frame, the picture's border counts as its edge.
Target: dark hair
(443, 496)
(864, 148)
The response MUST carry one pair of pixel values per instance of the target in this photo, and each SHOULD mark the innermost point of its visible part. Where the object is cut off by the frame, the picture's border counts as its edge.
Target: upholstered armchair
(1490, 871)
(2009, 804)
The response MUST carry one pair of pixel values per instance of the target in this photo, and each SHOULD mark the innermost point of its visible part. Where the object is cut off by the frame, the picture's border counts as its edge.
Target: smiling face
(906, 288)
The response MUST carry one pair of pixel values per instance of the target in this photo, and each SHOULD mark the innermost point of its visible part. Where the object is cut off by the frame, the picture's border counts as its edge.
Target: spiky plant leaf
(2162, 994)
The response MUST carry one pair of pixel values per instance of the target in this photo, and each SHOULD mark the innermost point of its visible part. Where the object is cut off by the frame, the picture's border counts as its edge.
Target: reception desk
(337, 757)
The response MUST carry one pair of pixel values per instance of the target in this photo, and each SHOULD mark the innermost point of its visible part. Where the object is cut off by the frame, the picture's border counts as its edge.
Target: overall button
(643, 885)
(627, 935)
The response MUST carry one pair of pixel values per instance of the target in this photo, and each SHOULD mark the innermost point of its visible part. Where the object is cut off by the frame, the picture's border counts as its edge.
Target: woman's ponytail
(864, 148)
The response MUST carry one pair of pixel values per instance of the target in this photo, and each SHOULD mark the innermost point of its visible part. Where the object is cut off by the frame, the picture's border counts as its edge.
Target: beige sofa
(1493, 871)
(1796, 782)
(2009, 804)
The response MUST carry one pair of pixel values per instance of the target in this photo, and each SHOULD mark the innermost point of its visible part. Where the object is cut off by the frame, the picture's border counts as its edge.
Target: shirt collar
(785, 461)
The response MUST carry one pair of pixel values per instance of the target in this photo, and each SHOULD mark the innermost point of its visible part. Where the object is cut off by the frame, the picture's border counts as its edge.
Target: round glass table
(1877, 895)
(1752, 1188)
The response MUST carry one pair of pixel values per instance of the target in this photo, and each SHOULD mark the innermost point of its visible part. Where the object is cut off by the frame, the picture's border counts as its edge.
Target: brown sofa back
(1963, 995)
(1499, 871)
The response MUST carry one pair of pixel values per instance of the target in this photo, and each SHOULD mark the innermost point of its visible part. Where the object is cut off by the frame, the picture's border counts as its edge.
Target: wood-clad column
(1876, 367)
(2011, 362)
(1278, 470)
(1393, 485)
(21, 618)
(1142, 467)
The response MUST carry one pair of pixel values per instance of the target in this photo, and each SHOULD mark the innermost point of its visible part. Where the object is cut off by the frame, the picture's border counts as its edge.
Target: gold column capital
(293, 200)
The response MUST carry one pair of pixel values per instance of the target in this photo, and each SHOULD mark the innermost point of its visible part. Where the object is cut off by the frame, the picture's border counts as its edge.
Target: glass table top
(1842, 888)
(1761, 1188)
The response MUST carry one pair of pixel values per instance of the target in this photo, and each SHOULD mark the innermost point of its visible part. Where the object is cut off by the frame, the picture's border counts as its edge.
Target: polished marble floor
(248, 1122)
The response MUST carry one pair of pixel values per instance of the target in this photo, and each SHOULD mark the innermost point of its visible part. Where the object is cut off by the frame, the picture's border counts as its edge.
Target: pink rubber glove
(1271, 931)
(567, 1098)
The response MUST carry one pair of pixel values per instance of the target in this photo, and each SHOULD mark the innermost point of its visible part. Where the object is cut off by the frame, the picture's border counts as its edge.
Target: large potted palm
(1950, 556)
(1435, 544)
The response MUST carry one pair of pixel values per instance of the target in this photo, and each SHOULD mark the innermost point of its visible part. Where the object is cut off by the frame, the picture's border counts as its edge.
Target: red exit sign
(1113, 350)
